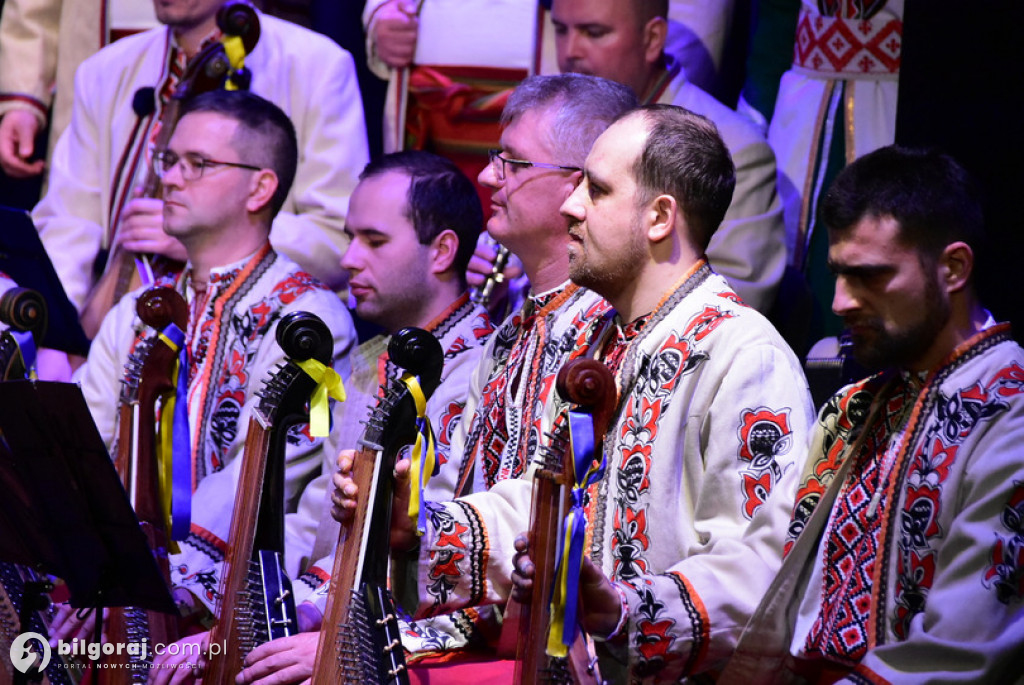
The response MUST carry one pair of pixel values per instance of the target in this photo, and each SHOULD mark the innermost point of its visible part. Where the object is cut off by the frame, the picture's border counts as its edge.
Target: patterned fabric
(522, 361)
(926, 523)
(838, 47)
(669, 521)
(853, 538)
(232, 351)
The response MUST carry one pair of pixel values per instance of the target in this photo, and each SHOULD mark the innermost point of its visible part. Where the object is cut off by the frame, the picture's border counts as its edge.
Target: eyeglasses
(500, 170)
(192, 166)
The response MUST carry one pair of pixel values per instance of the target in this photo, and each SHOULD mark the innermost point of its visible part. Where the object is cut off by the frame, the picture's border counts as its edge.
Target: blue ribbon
(585, 473)
(181, 450)
(27, 349)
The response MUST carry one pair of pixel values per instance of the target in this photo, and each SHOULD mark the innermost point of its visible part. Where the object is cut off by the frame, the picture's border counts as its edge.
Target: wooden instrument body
(205, 72)
(359, 638)
(590, 385)
(256, 602)
(149, 377)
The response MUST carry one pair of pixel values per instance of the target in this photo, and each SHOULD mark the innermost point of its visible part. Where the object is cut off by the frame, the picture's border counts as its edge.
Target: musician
(908, 568)
(625, 42)
(42, 42)
(686, 524)
(550, 123)
(226, 174)
(413, 222)
(101, 158)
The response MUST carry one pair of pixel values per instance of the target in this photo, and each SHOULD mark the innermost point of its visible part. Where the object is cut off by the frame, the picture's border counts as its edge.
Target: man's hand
(600, 607)
(394, 33)
(284, 660)
(142, 230)
(18, 130)
(523, 571)
(70, 623)
(187, 663)
(345, 499)
(481, 264)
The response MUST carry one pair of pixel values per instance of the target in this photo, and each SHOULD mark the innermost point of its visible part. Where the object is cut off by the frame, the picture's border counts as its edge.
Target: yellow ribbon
(423, 457)
(165, 451)
(234, 48)
(328, 384)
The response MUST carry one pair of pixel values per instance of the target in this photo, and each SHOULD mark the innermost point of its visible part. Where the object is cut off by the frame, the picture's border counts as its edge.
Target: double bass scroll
(359, 640)
(149, 378)
(256, 603)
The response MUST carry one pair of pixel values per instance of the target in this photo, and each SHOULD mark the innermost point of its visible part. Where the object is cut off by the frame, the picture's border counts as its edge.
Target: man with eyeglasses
(92, 204)
(550, 123)
(225, 174)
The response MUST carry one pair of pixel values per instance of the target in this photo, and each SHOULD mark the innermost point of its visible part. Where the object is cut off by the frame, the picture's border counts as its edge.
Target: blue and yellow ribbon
(569, 562)
(27, 350)
(424, 460)
(175, 458)
(328, 384)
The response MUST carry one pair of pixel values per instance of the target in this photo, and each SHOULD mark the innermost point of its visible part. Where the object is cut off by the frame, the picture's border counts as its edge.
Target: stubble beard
(904, 347)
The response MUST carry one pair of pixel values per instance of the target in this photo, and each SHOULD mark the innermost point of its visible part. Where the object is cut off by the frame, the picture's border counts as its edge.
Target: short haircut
(586, 105)
(931, 197)
(265, 136)
(649, 9)
(440, 197)
(684, 157)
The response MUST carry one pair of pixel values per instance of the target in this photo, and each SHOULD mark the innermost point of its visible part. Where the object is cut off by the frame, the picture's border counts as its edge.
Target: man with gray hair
(549, 122)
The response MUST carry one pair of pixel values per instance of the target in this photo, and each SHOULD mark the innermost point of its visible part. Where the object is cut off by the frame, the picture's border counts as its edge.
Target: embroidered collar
(223, 276)
(671, 70)
(539, 302)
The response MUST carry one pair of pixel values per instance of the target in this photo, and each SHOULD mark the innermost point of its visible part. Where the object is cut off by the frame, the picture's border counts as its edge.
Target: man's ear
(655, 33)
(261, 190)
(661, 218)
(956, 266)
(443, 250)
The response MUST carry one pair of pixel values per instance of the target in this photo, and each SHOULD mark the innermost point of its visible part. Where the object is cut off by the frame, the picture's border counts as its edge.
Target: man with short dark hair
(223, 173)
(121, 94)
(685, 526)
(413, 223)
(625, 42)
(904, 555)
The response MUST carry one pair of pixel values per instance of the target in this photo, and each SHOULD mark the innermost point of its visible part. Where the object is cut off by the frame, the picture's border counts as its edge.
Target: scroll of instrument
(359, 639)
(24, 602)
(210, 69)
(256, 603)
(150, 376)
(591, 386)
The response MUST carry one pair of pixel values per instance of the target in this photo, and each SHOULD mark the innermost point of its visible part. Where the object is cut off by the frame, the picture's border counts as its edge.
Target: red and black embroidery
(841, 416)
(957, 416)
(764, 435)
(1005, 576)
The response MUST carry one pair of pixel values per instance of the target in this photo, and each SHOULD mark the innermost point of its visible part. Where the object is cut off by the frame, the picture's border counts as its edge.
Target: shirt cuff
(623, 617)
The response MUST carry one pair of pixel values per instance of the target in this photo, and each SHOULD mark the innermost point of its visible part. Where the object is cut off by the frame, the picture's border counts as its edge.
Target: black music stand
(24, 259)
(64, 509)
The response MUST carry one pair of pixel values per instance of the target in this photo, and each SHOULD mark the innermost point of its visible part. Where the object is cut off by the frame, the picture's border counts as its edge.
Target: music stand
(24, 259)
(65, 510)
